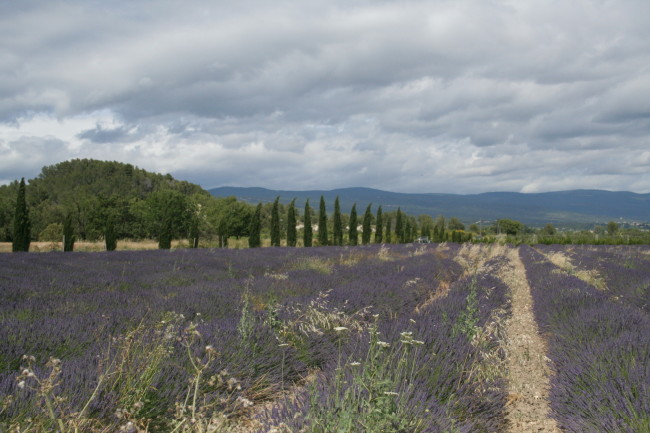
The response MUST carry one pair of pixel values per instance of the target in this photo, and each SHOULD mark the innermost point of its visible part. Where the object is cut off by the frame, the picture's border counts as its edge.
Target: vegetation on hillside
(90, 200)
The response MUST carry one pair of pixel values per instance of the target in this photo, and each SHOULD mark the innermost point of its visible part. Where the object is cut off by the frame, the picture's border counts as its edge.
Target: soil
(528, 407)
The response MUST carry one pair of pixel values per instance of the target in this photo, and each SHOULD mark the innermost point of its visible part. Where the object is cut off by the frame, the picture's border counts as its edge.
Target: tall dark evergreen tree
(353, 234)
(399, 227)
(110, 237)
(68, 233)
(367, 226)
(275, 223)
(407, 230)
(322, 223)
(379, 227)
(255, 228)
(291, 224)
(337, 237)
(165, 238)
(388, 234)
(22, 224)
(440, 225)
(307, 236)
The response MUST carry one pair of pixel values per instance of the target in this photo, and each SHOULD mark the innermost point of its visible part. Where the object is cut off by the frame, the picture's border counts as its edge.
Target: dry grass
(589, 276)
(122, 245)
(473, 257)
(317, 264)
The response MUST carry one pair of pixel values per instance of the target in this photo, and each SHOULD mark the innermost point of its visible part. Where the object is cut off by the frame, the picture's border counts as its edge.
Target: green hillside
(91, 192)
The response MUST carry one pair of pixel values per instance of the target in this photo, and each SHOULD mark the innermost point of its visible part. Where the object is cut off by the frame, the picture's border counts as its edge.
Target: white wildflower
(340, 328)
(390, 393)
(129, 427)
(383, 344)
(244, 401)
(21, 384)
(354, 364)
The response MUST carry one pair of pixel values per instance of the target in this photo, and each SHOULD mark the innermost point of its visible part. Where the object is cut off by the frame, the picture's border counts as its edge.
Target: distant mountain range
(577, 208)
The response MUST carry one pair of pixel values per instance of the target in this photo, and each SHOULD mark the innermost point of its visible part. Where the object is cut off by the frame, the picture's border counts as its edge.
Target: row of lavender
(599, 349)
(424, 371)
(132, 329)
(624, 269)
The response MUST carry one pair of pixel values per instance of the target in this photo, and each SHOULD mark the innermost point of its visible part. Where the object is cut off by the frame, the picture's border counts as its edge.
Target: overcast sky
(458, 96)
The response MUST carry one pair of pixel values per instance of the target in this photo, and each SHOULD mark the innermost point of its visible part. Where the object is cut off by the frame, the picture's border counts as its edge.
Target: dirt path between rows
(528, 371)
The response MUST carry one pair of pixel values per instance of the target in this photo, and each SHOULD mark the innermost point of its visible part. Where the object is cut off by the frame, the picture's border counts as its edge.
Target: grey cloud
(102, 135)
(430, 95)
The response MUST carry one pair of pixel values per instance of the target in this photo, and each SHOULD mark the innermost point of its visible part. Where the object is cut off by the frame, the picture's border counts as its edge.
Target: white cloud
(435, 96)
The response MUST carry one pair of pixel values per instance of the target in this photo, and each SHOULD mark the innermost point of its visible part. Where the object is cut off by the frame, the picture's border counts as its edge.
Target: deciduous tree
(167, 216)
(612, 228)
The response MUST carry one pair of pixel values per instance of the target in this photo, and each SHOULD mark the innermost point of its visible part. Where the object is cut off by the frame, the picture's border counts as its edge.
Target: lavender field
(397, 338)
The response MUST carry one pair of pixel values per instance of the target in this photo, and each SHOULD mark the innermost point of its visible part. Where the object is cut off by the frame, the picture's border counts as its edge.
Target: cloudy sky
(457, 96)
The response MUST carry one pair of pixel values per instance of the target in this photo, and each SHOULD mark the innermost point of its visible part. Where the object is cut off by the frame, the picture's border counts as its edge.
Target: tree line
(98, 200)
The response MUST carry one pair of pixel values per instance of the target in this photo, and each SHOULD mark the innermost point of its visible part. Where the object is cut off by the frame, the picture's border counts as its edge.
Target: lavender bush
(152, 339)
(418, 372)
(599, 348)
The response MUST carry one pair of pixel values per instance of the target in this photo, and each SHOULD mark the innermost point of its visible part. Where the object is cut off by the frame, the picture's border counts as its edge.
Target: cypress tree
(255, 228)
(275, 223)
(399, 228)
(110, 237)
(165, 238)
(388, 234)
(379, 227)
(68, 233)
(291, 224)
(322, 223)
(407, 230)
(337, 238)
(352, 233)
(307, 233)
(440, 225)
(22, 224)
(367, 226)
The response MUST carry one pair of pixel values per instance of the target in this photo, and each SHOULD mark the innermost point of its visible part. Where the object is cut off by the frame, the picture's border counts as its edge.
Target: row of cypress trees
(404, 232)
(255, 228)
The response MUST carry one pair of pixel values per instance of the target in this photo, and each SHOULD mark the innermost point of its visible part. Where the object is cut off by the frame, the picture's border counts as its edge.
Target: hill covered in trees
(100, 197)
(579, 208)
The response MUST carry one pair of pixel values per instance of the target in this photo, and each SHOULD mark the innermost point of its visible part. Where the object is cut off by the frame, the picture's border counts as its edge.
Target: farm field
(394, 338)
